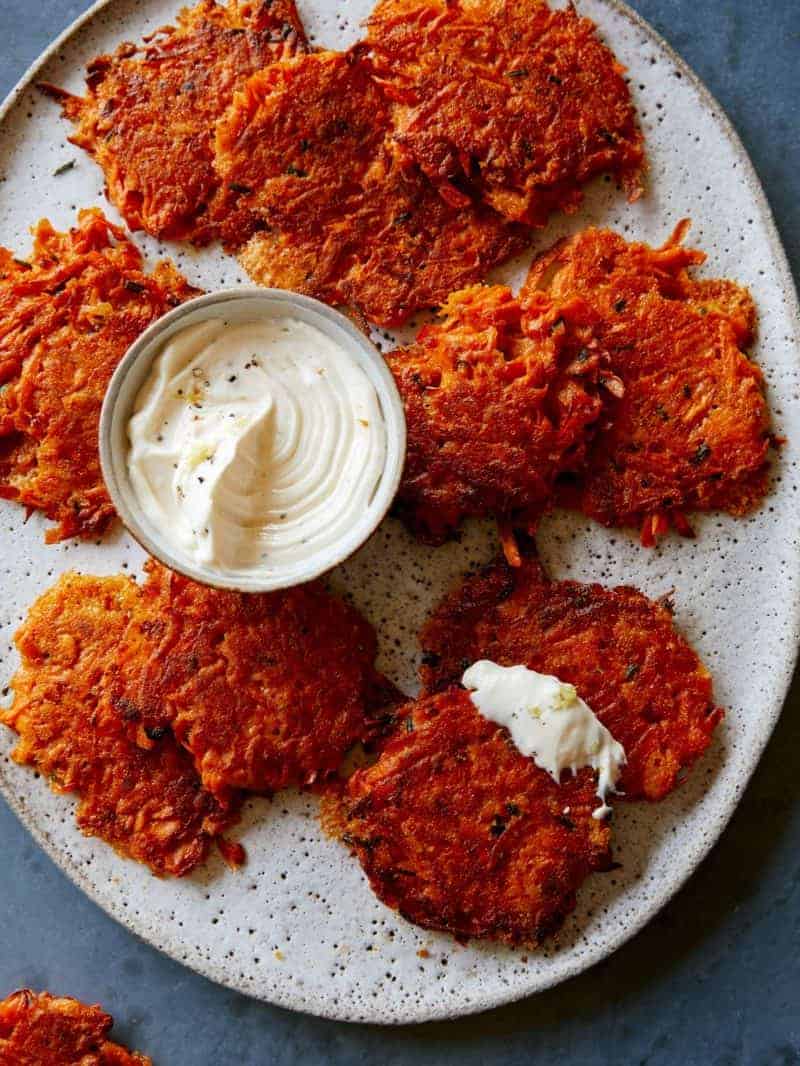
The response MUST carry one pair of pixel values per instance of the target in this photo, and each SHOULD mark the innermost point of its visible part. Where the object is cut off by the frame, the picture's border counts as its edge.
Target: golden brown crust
(301, 138)
(619, 649)
(37, 1029)
(156, 704)
(138, 791)
(460, 832)
(149, 113)
(265, 691)
(306, 144)
(691, 432)
(66, 319)
(507, 99)
(498, 402)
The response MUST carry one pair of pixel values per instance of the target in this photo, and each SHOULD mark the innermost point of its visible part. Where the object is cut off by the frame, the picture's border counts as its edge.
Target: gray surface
(714, 980)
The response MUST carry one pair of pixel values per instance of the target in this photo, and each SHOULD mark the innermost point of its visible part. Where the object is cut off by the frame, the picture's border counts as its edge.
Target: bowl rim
(118, 406)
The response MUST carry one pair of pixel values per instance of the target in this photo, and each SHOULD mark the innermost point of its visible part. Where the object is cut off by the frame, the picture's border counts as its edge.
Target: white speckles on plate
(298, 925)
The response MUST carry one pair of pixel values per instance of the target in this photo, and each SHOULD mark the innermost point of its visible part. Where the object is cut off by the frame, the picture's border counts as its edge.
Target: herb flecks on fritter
(38, 1029)
(149, 113)
(499, 400)
(691, 430)
(138, 790)
(459, 832)
(265, 691)
(505, 99)
(67, 316)
(620, 650)
(307, 144)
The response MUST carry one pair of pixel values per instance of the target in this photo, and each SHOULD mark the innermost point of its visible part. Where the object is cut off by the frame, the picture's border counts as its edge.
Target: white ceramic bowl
(246, 305)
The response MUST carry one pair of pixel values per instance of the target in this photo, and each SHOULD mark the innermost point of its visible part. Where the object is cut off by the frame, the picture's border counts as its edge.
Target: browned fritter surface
(620, 650)
(67, 316)
(149, 113)
(305, 147)
(265, 691)
(301, 138)
(507, 99)
(37, 1029)
(691, 432)
(498, 401)
(460, 832)
(157, 703)
(138, 791)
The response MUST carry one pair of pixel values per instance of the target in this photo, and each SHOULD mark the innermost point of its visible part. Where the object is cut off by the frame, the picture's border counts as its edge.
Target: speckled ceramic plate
(298, 925)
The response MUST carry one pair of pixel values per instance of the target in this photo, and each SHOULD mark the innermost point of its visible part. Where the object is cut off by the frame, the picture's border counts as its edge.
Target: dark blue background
(714, 981)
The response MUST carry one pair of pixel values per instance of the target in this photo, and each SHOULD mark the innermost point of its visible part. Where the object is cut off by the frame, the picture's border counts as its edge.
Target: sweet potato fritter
(265, 691)
(620, 650)
(506, 99)
(149, 113)
(66, 319)
(305, 146)
(691, 432)
(498, 402)
(460, 832)
(37, 1029)
(138, 791)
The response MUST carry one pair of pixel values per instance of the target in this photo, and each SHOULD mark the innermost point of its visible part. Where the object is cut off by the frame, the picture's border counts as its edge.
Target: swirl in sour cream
(255, 445)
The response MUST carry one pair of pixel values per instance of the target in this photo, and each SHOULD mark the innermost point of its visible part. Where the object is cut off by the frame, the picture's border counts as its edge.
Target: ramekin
(246, 305)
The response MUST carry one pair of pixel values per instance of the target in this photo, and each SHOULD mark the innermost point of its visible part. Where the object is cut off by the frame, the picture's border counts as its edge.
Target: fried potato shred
(459, 832)
(67, 316)
(144, 798)
(499, 401)
(620, 650)
(157, 703)
(380, 179)
(37, 1029)
(505, 99)
(690, 431)
(306, 145)
(149, 112)
(265, 691)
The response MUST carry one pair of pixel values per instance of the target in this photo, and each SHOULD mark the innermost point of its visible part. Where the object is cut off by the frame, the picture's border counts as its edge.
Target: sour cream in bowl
(252, 439)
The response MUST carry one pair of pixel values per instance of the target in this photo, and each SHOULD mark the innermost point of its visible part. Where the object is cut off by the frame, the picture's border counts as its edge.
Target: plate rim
(285, 997)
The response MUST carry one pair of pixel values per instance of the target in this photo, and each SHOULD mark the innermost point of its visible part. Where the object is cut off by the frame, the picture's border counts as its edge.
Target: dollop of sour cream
(255, 445)
(548, 722)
